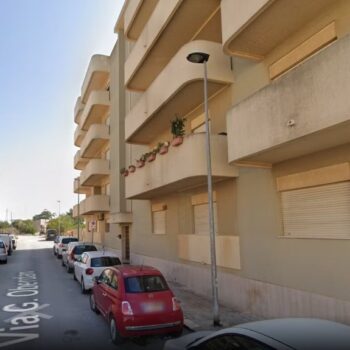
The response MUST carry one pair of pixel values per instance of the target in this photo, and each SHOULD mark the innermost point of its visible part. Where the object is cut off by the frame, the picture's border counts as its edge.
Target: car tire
(62, 263)
(9, 253)
(93, 306)
(113, 330)
(74, 276)
(5, 262)
(58, 256)
(68, 268)
(82, 286)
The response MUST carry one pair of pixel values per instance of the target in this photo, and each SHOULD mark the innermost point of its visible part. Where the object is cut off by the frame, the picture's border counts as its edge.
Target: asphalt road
(41, 306)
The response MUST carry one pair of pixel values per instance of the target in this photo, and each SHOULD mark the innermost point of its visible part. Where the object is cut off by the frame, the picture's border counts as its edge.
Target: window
(145, 284)
(84, 258)
(201, 213)
(105, 261)
(105, 277)
(159, 218)
(233, 342)
(317, 212)
(68, 240)
(78, 250)
(114, 281)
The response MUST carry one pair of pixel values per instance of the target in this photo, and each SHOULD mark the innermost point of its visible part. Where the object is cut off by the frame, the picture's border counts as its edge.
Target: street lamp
(201, 57)
(59, 220)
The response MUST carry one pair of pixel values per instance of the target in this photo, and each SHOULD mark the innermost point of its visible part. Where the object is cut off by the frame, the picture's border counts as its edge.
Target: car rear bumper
(3, 257)
(153, 326)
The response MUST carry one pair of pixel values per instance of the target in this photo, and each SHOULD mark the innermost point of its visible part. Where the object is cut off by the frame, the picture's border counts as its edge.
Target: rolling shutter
(201, 218)
(317, 212)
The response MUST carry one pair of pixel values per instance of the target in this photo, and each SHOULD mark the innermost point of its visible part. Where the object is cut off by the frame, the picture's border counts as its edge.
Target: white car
(61, 244)
(14, 241)
(5, 237)
(3, 252)
(90, 265)
(74, 252)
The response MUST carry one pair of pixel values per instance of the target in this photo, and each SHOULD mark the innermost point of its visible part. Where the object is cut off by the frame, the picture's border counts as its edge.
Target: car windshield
(80, 249)
(105, 261)
(67, 240)
(145, 284)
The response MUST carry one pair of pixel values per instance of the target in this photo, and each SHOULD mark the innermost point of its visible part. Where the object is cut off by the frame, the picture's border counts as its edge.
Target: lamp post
(201, 57)
(59, 220)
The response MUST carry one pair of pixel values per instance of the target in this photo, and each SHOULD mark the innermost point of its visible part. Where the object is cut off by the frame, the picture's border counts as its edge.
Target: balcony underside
(92, 205)
(96, 115)
(253, 31)
(177, 90)
(95, 140)
(171, 25)
(94, 180)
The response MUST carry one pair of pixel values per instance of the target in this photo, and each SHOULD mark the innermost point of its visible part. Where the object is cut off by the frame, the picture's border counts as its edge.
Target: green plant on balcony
(141, 161)
(178, 130)
(153, 154)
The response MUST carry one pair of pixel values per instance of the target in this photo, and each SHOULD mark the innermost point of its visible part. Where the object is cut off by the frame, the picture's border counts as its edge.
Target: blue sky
(45, 48)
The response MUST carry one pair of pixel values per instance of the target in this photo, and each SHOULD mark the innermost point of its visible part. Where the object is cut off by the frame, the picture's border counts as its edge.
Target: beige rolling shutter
(201, 218)
(317, 212)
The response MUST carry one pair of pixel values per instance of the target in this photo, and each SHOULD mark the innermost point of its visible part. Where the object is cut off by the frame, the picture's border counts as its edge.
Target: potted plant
(124, 172)
(178, 130)
(163, 147)
(141, 161)
(131, 168)
(152, 155)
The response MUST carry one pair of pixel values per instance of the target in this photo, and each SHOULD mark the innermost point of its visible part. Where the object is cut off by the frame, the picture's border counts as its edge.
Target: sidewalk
(198, 311)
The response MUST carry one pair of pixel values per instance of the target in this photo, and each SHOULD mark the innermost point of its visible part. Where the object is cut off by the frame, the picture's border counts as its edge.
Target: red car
(136, 301)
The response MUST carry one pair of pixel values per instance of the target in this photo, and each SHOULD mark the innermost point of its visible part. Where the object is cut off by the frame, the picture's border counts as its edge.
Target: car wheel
(74, 276)
(82, 285)
(93, 304)
(62, 263)
(69, 270)
(9, 252)
(115, 336)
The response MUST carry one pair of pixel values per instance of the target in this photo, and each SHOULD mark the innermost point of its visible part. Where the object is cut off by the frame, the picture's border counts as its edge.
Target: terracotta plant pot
(140, 163)
(132, 168)
(151, 158)
(163, 150)
(177, 141)
(126, 173)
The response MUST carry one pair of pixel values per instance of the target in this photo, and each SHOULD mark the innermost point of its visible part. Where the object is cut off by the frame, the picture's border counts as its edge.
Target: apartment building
(279, 122)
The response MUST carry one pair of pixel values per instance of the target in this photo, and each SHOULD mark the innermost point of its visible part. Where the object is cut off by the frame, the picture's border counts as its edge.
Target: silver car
(3, 252)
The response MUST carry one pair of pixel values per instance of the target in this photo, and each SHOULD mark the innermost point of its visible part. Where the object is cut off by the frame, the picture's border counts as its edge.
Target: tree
(45, 214)
(4, 225)
(24, 226)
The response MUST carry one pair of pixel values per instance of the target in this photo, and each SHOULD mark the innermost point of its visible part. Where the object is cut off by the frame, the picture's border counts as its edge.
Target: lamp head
(198, 57)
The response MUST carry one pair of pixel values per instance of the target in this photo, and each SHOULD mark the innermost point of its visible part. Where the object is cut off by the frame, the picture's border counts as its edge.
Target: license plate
(152, 307)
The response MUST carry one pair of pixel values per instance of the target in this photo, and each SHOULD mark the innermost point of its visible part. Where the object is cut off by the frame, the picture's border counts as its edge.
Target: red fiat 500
(136, 301)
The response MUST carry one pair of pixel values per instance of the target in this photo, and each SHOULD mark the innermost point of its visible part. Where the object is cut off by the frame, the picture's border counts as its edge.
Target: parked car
(3, 252)
(136, 301)
(61, 243)
(5, 237)
(276, 334)
(74, 252)
(90, 265)
(51, 234)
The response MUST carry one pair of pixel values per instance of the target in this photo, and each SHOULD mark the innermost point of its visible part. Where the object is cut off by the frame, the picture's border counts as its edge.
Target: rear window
(145, 284)
(68, 240)
(105, 261)
(80, 249)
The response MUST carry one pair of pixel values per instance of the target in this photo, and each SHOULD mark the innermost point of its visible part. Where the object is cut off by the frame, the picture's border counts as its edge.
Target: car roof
(303, 333)
(137, 270)
(100, 253)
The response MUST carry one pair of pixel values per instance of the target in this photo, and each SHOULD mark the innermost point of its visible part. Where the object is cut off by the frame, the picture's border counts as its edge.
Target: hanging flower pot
(177, 141)
(151, 157)
(163, 147)
(124, 172)
(132, 168)
(140, 163)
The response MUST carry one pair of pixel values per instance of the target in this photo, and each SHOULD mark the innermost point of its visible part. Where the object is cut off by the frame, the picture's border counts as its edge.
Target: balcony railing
(79, 161)
(95, 140)
(169, 93)
(95, 172)
(96, 109)
(78, 136)
(304, 111)
(97, 76)
(183, 167)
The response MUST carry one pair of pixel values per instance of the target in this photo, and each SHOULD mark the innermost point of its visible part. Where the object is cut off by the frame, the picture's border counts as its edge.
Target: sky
(45, 49)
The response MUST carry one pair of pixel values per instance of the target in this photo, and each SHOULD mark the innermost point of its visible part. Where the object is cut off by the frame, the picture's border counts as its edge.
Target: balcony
(95, 172)
(96, 138)
(97, 76)
(78, 109)
(161, 177)
(80, 189)
(78, 136)
(136, 16)
(251, 29)
(96, 109)
(79, 161)
(172, 24)
(92, 205)
(304, 111)
(169, 93)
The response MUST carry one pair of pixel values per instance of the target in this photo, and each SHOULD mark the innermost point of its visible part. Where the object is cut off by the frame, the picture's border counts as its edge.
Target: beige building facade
(278, 88)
